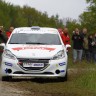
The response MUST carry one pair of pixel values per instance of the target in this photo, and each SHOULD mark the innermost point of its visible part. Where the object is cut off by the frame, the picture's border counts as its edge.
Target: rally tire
(6, 78)
(62, 79)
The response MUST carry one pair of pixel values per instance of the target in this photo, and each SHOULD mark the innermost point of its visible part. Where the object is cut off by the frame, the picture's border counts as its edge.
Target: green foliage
(88, 18)
(17, 16)
(71, 25)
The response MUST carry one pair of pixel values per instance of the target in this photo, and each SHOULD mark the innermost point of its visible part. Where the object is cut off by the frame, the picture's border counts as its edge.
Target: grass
(81, 82)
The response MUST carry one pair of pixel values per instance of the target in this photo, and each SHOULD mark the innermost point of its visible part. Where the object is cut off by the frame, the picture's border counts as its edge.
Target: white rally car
(34, 52)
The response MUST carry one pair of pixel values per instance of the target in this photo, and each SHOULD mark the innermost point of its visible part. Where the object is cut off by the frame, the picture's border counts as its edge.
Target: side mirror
(2, 44)
(68, 46)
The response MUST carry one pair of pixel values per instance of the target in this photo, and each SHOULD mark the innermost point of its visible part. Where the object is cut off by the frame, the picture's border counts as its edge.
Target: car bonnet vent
(35, 28)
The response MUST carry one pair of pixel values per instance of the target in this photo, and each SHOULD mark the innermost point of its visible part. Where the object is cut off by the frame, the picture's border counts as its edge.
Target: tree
(88, 18)
(17, 16)
(71, 25)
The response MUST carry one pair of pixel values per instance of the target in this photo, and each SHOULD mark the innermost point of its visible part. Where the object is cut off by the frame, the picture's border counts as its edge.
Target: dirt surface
(17, 87)
(40, 87)
(27, 87)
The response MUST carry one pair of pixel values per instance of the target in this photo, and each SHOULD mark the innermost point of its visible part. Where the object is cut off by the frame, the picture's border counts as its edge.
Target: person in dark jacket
(2, 37)
(77, 46)
(90, 48)
(94, 47)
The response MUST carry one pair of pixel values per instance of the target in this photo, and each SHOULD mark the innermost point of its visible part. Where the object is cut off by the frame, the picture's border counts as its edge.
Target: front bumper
(55, 68)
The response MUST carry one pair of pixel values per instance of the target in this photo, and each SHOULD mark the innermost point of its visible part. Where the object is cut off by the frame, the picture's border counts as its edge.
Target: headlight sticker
(8, 64)
(9, 54)
(62, 64)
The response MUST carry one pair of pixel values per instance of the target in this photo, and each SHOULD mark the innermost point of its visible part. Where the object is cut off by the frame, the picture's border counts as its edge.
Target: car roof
(35, 29)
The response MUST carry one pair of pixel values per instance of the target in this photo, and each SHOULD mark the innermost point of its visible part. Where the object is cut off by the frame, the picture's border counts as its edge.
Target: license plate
(33, 64)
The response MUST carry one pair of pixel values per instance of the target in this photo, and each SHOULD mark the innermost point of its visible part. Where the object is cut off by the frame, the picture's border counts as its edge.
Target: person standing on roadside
(9, 32)
(94, 48)
(60, 31)
(85, 44)
(65, 37)
(77, 46)
(90, 48)
(2, 37)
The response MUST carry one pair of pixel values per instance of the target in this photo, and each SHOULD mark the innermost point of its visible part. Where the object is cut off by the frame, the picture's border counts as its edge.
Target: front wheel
(62, 79)
(6, 78)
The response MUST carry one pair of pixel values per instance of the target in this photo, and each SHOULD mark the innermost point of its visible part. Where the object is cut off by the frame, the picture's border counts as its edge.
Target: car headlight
(59, 55)
(9, 54)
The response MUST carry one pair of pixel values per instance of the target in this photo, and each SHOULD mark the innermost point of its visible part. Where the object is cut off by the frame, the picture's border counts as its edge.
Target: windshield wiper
(14, 43)
(35, 43)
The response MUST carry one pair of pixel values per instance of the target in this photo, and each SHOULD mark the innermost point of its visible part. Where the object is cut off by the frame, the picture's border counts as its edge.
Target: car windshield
(43, 39)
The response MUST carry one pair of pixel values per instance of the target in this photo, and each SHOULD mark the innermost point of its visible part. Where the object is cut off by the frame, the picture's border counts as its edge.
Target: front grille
(45, 73)
(23, 60)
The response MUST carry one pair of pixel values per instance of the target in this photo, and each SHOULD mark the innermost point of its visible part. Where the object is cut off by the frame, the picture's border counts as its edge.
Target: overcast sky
(64, 8)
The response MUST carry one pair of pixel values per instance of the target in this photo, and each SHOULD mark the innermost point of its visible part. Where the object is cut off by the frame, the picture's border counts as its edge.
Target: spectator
(65, 36)
(85, 44)
(60, 31)
(9, 32)
(94, 47)
(84, 32)
(77, 46)
(90, 47)
(2, 37)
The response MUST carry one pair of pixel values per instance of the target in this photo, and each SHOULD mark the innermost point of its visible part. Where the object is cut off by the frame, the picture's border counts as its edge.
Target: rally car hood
(34, 51)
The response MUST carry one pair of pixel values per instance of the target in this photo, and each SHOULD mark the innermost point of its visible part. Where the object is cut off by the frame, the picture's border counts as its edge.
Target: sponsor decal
(8, 64)
(62, 71)
(62, 64)
(41, 48)
(6, 70)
